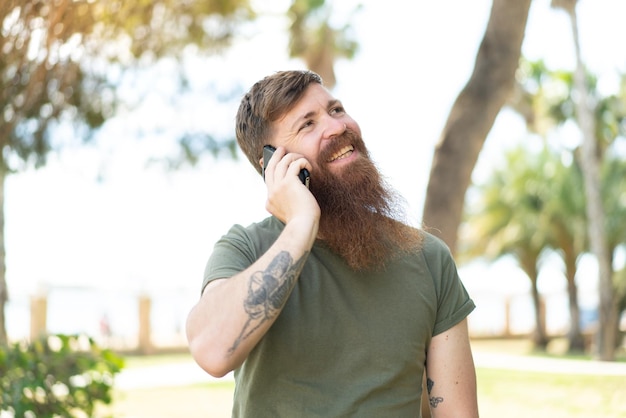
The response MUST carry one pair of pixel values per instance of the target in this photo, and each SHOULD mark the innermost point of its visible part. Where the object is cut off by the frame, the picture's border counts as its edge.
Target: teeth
(342, 153)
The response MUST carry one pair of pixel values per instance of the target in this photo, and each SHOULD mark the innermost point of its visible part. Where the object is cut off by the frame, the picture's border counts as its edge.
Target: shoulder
(438, 259)
(251, 240)
(433, 246)
(240, 247)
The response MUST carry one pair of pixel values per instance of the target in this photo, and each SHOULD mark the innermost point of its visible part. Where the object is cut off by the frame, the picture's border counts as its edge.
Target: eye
(337, 110)
(306, 124)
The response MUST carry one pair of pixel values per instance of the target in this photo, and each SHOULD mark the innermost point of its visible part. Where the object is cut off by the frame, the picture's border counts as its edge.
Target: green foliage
(56, 375)
(534, 200)
(316, 40)
(510, 214)
(62, 62)
(545, 100)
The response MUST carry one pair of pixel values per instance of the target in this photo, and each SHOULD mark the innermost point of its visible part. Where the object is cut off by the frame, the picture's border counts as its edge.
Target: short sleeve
(453, 300)
(231, 254)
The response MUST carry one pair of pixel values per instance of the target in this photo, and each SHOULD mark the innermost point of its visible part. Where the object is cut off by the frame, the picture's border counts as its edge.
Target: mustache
(348, 137)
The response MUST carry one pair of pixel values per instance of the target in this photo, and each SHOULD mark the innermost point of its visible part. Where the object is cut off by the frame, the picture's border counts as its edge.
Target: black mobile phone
(268, 151)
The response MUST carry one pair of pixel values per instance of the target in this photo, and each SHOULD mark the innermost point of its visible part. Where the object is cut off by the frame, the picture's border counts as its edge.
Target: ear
(261, 163)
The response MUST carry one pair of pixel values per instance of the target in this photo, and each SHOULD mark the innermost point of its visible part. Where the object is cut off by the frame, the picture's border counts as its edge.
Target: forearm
(234, 314)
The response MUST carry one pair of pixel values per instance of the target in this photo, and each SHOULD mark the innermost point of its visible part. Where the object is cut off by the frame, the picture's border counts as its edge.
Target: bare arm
(451, 376)
(234, 313)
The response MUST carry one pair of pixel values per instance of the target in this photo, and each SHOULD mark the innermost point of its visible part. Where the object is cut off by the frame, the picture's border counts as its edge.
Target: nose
(334, 128)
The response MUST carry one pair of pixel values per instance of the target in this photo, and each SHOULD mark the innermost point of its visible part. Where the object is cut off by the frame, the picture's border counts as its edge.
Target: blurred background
(120, 171)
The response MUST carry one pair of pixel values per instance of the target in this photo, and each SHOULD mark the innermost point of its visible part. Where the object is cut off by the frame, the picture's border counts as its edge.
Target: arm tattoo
(268, 291)
(434, 400)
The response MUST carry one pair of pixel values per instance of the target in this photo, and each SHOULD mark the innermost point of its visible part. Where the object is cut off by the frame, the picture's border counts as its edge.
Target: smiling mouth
(342, 153)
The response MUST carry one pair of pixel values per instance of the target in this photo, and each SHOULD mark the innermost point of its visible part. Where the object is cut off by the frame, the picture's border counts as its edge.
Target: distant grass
(557, 348)
(501, 393)
(213, 400)
(517, 394)
(131, 361)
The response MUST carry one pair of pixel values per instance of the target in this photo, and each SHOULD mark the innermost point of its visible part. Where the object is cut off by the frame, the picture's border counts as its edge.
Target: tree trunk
(472, 117)
(590, 160)
(576, 342)
(540, 337)
(4, 293)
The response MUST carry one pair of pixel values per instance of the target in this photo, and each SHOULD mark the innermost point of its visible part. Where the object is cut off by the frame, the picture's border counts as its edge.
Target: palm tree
(534, 99)
(569, 225)
(544, 112)
(568, 237)
(591, 160)
(614, 196)
(511, 217)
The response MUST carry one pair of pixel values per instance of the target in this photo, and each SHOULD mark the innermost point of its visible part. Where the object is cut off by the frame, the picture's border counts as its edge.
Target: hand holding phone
(268, 151)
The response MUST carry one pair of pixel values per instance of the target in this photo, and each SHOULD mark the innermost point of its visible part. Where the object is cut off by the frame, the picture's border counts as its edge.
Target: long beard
(361, 216)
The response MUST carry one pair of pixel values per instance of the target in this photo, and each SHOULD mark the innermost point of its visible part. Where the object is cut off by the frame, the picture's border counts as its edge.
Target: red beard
(360, 214)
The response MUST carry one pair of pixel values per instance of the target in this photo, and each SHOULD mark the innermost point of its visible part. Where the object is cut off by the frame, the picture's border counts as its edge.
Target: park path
(173, 374)
(492, 360)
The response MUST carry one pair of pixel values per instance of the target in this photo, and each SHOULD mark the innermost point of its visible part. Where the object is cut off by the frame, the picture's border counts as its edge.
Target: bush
(56, 376)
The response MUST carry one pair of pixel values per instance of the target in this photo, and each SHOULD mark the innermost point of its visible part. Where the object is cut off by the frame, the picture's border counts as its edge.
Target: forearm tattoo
(433, 400)
(268, 291)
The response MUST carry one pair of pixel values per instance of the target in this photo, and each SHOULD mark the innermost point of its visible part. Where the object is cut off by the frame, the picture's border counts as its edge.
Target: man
(331, 307)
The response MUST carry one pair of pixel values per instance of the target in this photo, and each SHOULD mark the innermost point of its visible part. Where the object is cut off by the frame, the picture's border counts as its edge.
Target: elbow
(208, 345)
(214, 369)
(215, 362)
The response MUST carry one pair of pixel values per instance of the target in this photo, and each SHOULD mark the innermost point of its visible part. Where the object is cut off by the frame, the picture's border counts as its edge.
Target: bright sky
(138, 228)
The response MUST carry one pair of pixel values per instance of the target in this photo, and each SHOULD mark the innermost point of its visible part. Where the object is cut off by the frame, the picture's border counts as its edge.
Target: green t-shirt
(347, 344)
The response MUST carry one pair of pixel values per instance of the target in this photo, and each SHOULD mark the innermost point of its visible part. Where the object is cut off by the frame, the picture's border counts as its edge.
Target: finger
(271, 164)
